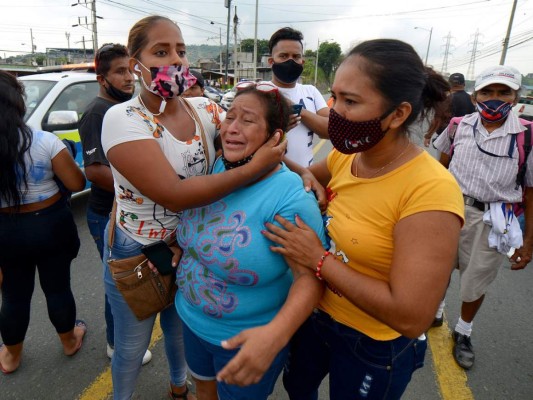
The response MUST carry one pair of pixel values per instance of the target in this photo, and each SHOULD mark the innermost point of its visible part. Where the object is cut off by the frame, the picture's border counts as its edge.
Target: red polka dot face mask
(350, 137)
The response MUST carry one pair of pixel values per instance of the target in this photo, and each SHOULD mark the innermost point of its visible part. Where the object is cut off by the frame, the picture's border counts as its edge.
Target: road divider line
(318, 146)
(451, 378)
(102, 386)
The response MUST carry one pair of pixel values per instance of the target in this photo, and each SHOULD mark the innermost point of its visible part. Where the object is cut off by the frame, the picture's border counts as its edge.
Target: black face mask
(288, 71)
(117, 94)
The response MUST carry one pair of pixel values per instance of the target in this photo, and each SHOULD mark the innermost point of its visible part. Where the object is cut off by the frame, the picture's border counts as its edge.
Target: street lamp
(429, 41)
(316, 59)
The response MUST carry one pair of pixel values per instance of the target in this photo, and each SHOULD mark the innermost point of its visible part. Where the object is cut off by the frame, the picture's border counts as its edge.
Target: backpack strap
(452, 128)
(523, 141)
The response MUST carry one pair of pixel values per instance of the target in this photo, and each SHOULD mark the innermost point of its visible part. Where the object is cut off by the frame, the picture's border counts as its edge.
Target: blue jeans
(205, 360)
(359, 367)
(132, 336)
(97, 224)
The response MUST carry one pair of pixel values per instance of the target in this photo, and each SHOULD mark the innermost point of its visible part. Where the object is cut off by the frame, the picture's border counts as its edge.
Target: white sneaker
(146, 359)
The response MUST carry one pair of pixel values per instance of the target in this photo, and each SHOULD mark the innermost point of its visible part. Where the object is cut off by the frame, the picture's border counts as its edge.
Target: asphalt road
(502, 337)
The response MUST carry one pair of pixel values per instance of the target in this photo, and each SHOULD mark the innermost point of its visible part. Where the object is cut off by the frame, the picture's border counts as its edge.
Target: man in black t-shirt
(116, 86)
(461, 101)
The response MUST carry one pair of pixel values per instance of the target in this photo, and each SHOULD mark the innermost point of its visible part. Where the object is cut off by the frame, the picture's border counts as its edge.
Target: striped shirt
(481, 176)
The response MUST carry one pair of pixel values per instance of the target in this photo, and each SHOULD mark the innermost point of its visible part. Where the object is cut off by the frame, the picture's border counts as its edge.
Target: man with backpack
(487, 152)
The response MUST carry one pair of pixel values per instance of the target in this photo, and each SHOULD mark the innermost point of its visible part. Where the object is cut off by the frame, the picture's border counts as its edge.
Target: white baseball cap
(508, 76)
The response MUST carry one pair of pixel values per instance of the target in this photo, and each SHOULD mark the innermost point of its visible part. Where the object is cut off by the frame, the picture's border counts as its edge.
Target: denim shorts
(359, 367)
(205, 360)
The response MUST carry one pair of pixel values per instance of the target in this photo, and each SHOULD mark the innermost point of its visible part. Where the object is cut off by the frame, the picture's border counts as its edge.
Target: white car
(524, 108)
(228, 97)
(213, 94)
(55, 102)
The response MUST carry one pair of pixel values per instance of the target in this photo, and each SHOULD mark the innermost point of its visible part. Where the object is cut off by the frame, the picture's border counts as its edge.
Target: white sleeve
(320, 103)
(125, 123)
(54, 144)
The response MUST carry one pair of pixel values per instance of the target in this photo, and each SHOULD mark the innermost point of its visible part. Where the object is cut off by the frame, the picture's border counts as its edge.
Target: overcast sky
(344, 21)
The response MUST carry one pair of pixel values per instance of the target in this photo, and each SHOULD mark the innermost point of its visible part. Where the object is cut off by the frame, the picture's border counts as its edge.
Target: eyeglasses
(262, 86)
(265, 87)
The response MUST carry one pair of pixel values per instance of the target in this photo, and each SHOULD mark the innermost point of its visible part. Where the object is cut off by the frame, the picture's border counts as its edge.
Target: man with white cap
(485, 164)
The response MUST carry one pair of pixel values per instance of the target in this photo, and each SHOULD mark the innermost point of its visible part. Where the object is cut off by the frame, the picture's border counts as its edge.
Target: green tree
(247, 46)
(329, 58)
(40, 59)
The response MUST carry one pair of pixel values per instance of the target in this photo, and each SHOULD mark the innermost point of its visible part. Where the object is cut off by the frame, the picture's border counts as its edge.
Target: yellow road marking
(102, 387)
(451, 378)
(318, 146)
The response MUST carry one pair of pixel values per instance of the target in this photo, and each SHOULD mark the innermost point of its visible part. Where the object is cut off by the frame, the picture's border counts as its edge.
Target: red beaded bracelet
(318, 272)
(319, 265)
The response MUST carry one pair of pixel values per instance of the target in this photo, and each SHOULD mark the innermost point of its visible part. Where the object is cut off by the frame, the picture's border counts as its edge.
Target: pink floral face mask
(169, 81)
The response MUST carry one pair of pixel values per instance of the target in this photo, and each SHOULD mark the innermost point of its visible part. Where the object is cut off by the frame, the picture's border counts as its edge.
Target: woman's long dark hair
(15, 140)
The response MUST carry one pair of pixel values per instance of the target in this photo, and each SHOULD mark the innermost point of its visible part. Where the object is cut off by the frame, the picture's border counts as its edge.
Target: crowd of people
(282, 264)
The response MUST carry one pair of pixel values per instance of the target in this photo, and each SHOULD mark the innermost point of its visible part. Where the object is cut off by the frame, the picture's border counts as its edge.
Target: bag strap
(112, 223)
(524, 148)
(194, 115)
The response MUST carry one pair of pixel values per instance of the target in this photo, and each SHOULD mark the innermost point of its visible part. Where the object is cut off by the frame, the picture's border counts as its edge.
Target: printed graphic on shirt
(214, 111)
(327, 221)
(194, 161)
(129, 195)
(153, 124)
(208, 267)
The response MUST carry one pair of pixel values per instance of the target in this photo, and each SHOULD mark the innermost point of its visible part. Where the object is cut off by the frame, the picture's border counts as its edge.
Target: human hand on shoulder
(297, 242)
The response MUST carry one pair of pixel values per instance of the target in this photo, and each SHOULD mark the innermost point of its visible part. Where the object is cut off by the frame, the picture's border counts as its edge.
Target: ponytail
(436, 97)
(399, 74)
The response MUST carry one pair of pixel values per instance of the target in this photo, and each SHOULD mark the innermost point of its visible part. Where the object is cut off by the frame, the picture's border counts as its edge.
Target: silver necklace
(385, 166)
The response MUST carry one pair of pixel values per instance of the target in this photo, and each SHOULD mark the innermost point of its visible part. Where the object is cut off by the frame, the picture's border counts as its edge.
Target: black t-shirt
(90, 127)
(462, 104)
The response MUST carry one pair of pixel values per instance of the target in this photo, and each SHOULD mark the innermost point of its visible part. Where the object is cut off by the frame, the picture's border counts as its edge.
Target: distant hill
(195, 52)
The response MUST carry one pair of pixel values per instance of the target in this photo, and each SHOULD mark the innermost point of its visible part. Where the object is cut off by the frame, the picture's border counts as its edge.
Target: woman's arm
(317, 122)
(143, 163)
(425, 246)
(321, 172)
(310, 182)
(259, 346)
(68, 171)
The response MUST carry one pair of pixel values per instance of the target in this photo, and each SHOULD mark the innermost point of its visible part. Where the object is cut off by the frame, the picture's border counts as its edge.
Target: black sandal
(182, 396)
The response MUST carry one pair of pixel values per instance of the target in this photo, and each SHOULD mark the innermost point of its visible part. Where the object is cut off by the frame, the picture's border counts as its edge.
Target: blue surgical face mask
(494, 110)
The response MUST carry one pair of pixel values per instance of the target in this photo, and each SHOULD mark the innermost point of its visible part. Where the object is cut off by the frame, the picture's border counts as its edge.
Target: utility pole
(84, 51)
(508, 35)
(95, 29)
(227, 4)
(67, 35)
(92, 26)
(32, 47)
(255, 39)
(446, 53)
(235, 61)
(220, 50)
(471, 65)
